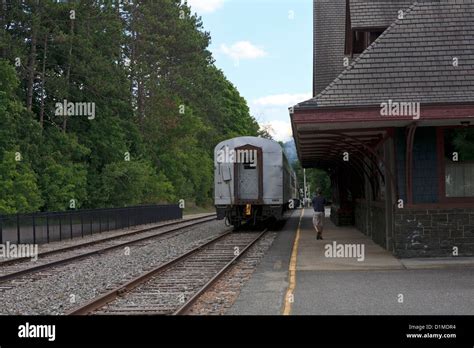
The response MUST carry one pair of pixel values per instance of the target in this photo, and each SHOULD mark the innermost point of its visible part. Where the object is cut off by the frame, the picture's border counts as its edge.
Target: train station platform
(347, 273)
(264, 293)
(343, 248)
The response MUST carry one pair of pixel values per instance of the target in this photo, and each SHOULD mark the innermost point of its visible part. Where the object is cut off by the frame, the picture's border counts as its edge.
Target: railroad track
(16, 268)
(172, 288)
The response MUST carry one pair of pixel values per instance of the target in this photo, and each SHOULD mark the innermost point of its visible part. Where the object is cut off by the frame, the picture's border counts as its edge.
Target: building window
(374, 35)
(459, 162)
(363, 39)
(360, 42)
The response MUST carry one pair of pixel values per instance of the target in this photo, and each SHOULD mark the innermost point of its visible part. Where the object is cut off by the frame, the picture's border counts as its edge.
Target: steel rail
(182, 310)
(98, 241)
(67, 260)
(110, 296)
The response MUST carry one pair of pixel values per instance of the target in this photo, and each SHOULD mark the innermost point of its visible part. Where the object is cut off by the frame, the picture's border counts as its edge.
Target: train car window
(250, 166)
(226, 176)
(249, 163)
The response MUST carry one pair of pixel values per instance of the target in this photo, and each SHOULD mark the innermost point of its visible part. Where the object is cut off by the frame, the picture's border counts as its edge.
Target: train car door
(248, 183)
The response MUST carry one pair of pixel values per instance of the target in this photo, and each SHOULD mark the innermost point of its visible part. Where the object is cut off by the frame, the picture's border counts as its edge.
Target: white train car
(253, 180)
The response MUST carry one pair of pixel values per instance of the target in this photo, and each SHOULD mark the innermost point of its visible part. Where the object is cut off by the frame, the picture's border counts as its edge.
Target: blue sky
(264, 48)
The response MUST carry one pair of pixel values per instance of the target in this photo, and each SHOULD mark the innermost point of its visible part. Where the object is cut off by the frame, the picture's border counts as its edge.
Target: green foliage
(464, 143)
(131, 183)
(161, 105)
(19, 192)
(315, 178)
(62, 183)
(319, 179)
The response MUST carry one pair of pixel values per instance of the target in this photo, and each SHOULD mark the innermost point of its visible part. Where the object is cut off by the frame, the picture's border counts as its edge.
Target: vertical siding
(425, 166)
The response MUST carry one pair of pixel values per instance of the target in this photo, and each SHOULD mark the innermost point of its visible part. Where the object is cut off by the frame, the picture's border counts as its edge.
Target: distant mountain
(290, 150)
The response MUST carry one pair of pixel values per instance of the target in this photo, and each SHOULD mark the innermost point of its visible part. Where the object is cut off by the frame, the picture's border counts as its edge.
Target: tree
(126, 183)
(19, 192)
(315, 178)
(463, 141)
(160, 103)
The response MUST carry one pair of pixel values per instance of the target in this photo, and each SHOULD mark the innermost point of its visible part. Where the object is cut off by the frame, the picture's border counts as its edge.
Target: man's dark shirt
(318, 204)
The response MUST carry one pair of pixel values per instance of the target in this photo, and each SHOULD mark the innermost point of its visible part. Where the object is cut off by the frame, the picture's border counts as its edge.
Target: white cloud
(272, 112)
(280, 130)
(205, 6)
(282, 99)
(242, 50)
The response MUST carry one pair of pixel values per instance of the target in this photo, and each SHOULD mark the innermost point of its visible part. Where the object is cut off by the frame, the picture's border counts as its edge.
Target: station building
(392, 121)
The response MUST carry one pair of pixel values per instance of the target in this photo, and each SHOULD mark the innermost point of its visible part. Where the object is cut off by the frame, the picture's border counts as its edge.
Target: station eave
(323, 134)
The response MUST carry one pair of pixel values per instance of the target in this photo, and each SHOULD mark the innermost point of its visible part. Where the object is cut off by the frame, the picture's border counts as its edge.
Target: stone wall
(375, 226)
(433, 232)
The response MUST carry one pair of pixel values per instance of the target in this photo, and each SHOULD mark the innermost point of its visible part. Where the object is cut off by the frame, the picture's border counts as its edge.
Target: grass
(189, 210)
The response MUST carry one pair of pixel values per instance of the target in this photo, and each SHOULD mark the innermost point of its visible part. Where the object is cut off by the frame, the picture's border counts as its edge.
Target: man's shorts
(318, 221)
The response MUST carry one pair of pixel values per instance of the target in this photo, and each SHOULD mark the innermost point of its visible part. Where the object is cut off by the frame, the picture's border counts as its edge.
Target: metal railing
(39, 228)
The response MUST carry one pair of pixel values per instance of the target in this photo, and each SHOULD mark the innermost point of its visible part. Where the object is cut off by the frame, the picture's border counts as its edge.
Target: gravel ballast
(64, 288)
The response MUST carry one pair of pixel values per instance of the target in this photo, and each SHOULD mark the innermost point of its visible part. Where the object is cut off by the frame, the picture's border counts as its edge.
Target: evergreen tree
(160, 105)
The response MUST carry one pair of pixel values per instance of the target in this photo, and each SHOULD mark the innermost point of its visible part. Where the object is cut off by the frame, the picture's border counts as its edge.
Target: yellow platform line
(289, 297)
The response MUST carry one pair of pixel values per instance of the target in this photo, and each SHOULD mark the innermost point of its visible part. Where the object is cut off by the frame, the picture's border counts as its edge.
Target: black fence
(39, 228)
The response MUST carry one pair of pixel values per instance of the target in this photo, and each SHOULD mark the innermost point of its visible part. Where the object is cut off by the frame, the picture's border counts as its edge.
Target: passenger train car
(253, 181)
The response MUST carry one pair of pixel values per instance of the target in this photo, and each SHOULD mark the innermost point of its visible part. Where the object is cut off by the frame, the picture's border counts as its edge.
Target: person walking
(318, 218)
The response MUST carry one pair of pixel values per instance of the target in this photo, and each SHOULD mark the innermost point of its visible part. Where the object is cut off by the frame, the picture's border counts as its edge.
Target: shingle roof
(412, 61)
(376, 13)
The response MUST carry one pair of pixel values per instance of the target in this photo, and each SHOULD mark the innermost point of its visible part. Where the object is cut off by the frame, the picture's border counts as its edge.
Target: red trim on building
(343, 130)
(326, 115)
(441, 165)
